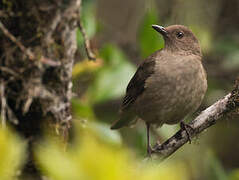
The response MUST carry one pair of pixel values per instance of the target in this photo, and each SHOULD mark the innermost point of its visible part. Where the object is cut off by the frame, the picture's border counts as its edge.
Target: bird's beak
(160, 29)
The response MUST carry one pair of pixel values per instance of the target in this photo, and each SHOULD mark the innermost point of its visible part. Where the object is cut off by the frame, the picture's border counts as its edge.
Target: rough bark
(37, 49)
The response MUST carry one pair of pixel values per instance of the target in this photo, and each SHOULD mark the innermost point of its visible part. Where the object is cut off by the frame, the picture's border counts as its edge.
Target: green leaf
(104, 132)
(149, 39)
(111, 81)
(54, 162)
(81, 110)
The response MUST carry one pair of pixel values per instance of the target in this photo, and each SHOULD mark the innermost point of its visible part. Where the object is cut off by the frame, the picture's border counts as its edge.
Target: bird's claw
(186, 127)
(150, 150)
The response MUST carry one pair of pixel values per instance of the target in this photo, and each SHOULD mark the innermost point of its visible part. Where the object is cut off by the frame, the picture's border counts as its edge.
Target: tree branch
(207, 118)
(25, 50)
(89, 52)
(3, 104)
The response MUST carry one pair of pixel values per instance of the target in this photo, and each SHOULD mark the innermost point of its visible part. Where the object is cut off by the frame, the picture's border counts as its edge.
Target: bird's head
(179, 38)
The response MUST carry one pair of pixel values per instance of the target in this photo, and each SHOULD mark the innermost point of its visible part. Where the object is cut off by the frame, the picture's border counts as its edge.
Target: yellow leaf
(12, 154)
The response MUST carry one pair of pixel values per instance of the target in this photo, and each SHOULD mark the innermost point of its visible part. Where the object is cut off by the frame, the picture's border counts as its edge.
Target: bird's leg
(149, 149)
(186, 127)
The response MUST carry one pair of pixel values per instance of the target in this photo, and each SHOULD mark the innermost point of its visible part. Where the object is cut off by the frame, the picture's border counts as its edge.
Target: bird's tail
(125, 119)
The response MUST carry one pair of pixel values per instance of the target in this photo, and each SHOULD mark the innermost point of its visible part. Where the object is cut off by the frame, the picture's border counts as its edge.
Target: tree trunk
(37, 48)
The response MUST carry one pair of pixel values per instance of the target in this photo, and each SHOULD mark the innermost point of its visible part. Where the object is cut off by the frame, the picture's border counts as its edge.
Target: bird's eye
(179, 35)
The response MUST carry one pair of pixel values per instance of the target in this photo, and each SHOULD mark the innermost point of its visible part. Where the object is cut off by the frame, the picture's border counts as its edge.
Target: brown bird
(169, 85)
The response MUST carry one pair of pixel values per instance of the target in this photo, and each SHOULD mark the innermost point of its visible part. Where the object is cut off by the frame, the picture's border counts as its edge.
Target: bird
(168, 85)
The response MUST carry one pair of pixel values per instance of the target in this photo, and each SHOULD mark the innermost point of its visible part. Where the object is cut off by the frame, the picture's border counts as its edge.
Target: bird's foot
(187, 128)
(150, 150)
(158, 143)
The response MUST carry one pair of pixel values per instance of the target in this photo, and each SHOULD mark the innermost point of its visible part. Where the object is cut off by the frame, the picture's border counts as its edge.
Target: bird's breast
(176, 89)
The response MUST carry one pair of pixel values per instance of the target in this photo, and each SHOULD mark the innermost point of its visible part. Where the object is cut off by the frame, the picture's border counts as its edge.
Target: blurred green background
(121, 34)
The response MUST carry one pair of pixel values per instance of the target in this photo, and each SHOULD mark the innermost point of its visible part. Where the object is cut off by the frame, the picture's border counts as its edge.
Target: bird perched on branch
(168, 85)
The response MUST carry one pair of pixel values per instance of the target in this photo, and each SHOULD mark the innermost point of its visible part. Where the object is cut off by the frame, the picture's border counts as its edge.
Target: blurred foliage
(12, 154)
(234, 175)
(95, 153)
(205, 37)
(81, 109)
(85, 67)
(111, 80)
(91, 158)
(149, 39)
(232, 62)
(104, 133)
(226, 45)
(214, 167)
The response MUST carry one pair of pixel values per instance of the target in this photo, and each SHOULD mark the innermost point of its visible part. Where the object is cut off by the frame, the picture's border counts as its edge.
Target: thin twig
(9, 71)
(3, 104)
(52, 26)
(25, 50)
(207, 118)
(88, 49)
(18, 43)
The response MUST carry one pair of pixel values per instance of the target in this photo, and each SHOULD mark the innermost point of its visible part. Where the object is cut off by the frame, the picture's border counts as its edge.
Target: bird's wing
(136, 85)
(134, 89)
